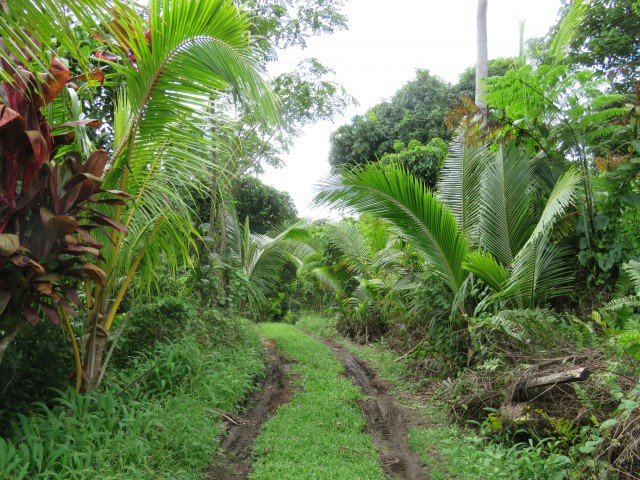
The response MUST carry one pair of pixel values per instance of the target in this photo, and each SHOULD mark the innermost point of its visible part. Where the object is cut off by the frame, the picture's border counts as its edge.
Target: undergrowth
(154, 421)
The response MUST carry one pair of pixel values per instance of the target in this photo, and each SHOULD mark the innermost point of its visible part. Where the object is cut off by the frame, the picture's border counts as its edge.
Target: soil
(235, 463)
(386, 420)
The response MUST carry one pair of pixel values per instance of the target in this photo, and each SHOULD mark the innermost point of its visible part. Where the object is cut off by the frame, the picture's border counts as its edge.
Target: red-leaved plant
(47, 202)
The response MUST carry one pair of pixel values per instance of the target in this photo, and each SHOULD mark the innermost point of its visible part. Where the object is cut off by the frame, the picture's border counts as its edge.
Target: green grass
(448, 451)
(162, 428)
(318, 434)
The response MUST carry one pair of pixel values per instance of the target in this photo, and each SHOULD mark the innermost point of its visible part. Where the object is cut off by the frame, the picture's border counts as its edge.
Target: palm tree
(170, 65)
(510, 248)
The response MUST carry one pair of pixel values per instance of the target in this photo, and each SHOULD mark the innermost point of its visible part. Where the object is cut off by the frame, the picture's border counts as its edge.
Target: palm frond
(394, 195)
(488, 269)
(460, 183)
(561, 198)
(507, 203)
(568, 27)
(540, 271)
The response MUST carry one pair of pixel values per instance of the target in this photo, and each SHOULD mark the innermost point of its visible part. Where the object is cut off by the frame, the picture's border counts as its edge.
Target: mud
(235, 463)
(386, 421)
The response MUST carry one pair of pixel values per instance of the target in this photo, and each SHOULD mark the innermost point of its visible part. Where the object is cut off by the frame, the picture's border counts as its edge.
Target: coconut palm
(171, 64)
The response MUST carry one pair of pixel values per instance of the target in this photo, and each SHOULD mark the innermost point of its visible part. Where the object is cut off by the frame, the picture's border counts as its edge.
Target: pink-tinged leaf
(89, 122)
(62, 224)
(88, 239)
(81, 250)
(96, 162)
(9, 244)
(8, 115)
(56, 80)
(5, 297)
(108, 56)
(72, 295)
(62, 303)
(79, 179)
(115, 202)
(48, 277)
(90, 271)
(117, 193)
(30, 315)
(39, 145)
(51, 312)
(109, 222)
(96, 75)
(23, 262)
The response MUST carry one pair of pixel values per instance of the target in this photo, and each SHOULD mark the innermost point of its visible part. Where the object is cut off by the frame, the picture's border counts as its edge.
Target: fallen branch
(567, 376)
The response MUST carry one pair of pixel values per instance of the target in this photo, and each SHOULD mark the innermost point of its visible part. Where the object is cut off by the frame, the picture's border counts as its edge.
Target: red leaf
(88, 239)
(108, 56)
(81, 178)
(39, 145)
(91, 271)
(23, 262)
(51, 312)
(109, 222)
(71, 295)
(68, 308)
(81, 250)
(64, 139)
(118, 193)
(96, 162)
(62, 224)
(8, 115)
(90, 122)
(45, 288)
(96, 75)
(56, 80)
(116, 202)
(30, 315)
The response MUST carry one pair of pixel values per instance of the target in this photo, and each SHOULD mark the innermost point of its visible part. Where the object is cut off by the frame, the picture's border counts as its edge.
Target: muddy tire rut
(235, 462)
(386, 421)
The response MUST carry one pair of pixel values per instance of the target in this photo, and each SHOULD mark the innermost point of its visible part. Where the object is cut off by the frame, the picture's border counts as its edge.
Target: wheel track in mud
(235, 463)
(386, 421)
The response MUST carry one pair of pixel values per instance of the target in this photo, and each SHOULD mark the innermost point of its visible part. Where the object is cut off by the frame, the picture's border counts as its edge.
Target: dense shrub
(39, 359)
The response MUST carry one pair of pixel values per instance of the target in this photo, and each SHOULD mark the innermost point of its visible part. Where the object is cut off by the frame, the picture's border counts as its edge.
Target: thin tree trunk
(482, 61)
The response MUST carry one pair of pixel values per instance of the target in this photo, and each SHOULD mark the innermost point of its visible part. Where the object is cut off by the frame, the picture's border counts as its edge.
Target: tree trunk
(94, 341)
(482, 61)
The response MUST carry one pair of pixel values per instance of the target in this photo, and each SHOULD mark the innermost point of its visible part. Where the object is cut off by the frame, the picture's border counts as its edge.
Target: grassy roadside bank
(318, 433)
(449, 451)
(160, 427)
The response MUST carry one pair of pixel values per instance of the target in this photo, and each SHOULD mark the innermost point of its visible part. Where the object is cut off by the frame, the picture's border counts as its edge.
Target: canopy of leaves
(415, 112)
(266, 207)
(606, 41)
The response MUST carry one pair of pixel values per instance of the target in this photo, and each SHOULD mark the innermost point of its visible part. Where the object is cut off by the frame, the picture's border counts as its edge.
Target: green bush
(38, 360)
(162, 321)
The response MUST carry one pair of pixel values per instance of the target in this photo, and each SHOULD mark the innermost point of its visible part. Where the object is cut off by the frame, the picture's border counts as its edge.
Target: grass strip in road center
(319, 433)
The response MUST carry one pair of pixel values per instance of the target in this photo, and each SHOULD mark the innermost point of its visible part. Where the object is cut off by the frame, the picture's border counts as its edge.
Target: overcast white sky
(385, 43)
